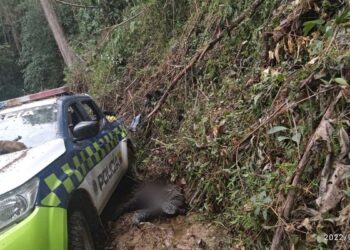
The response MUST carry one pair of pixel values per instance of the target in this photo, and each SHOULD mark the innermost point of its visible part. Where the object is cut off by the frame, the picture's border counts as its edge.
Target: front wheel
(79, 233)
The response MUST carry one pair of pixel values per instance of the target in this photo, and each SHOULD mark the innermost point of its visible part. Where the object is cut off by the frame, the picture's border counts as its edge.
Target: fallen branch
(299, 170)
(113, 27)
(200, 54)
(75, 5)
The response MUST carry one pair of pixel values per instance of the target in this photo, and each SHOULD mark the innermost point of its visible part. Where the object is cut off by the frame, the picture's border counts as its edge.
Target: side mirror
(85, 130)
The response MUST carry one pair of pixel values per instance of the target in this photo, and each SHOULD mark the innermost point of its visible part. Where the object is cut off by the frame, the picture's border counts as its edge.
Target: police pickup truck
(54, 188)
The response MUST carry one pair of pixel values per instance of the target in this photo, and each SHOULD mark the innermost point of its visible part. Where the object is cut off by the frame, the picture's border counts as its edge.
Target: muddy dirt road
(182, 232)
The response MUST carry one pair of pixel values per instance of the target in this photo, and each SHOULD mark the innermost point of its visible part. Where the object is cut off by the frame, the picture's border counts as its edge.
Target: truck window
(31, 126)
(74, 117)
(91, 110)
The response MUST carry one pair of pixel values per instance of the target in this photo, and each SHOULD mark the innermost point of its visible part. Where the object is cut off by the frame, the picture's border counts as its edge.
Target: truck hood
(19, 167)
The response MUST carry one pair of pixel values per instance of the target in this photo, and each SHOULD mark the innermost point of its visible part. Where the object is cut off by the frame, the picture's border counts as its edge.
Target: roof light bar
(35, 97)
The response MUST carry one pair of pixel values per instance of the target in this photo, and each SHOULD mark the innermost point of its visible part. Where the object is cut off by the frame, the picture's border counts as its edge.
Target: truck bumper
(44, 229)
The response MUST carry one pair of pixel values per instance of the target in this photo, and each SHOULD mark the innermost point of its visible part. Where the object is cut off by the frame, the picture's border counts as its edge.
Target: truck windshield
(31, 126)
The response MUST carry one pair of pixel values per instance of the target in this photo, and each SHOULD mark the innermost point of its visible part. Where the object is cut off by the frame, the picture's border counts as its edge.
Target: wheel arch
(80, 200)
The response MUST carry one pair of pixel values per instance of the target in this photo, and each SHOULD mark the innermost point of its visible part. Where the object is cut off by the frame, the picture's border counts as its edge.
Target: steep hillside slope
(243, 104)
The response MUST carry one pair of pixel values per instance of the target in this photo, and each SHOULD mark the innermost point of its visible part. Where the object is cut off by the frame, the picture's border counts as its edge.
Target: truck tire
(79, 233)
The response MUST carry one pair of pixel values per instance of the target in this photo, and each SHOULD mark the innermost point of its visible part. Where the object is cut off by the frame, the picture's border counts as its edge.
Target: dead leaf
(275, 72)
(248, 207)
(289, 228)
(239, 246)
(320, 75)
(326, 171)
(295, 3)
(344, 143)
(344, 216)
(290, 44)
(278, 34)
(266, 72)
(267, 167)
(304, 211)
(311, 238)
(313, 61)
(277, 53)
(218, 129)
(325, 130)
(333, 194)
(306, 223)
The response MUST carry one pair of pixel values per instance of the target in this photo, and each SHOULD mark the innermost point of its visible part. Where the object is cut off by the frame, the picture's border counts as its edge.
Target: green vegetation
(41, 63)
(11, 83)
(30, 59)
(236, 127)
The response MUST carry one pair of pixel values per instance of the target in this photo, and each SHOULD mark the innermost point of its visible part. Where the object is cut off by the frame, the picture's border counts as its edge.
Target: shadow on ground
(122, 194)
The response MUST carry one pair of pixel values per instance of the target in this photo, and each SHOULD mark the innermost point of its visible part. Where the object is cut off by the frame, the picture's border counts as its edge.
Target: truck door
(102, 152)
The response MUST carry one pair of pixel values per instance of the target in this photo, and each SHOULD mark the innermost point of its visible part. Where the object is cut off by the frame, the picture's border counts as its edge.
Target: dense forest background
(30, 59)
(244, 104)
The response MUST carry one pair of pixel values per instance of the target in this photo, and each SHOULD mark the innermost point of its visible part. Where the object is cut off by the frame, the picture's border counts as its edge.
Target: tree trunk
(68, 54)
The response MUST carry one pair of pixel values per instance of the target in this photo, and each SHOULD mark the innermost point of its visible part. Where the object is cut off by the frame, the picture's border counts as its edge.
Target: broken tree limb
(333, 193)
(75, 5)
(330, 192)
(298, 172)
(201, 53)
(326, 171)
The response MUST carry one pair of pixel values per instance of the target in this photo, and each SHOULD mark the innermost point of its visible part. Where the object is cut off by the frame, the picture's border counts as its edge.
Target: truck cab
(53, 191)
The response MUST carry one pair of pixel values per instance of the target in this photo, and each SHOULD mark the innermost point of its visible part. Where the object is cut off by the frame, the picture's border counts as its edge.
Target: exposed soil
(181, 232)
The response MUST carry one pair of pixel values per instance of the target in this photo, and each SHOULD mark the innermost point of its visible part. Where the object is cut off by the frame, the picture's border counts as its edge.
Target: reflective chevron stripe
(68, 177)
